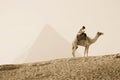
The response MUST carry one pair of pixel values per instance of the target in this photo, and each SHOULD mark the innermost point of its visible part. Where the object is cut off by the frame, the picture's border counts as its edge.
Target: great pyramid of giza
(49, 45)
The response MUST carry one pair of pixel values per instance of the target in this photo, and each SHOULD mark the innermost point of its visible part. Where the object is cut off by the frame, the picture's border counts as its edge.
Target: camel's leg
(74, 49)
(87, 50)
(73, 53)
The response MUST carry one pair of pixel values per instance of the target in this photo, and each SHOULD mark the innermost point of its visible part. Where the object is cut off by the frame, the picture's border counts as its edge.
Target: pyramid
(49, 45)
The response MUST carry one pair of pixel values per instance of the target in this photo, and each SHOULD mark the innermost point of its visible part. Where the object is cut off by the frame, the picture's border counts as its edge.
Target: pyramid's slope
(91, 68)
(49, 45)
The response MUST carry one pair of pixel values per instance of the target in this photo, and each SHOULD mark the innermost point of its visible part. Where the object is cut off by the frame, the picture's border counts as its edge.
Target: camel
(83, 40)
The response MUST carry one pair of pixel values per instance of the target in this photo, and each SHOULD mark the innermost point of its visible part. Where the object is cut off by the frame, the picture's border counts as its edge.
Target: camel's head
(99, 33)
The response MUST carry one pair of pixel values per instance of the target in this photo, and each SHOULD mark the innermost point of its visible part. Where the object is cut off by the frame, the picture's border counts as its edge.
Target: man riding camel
(81, 35)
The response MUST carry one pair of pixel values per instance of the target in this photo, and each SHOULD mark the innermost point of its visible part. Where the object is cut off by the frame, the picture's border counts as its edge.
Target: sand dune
(92, 68)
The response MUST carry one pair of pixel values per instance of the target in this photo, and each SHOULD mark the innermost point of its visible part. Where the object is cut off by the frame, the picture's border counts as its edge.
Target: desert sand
(105, 67)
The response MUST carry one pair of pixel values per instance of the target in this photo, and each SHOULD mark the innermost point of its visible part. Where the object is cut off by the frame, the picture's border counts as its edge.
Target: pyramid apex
(48, 27)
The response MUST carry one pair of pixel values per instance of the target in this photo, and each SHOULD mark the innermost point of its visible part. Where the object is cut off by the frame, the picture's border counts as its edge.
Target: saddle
(82, 36)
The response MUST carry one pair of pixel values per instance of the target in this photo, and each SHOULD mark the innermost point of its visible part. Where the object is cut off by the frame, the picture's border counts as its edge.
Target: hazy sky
(22, 20)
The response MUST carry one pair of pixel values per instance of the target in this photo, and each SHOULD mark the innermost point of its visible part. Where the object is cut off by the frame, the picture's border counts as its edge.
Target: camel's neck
(94, 39)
